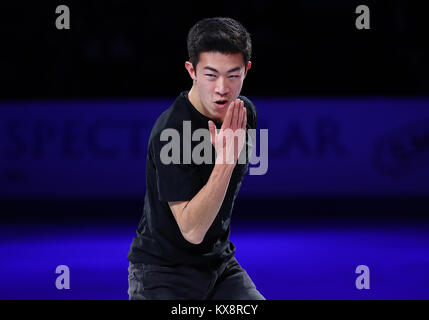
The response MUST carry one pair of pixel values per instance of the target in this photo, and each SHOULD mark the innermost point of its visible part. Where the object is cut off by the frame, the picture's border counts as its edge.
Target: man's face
(218, 80)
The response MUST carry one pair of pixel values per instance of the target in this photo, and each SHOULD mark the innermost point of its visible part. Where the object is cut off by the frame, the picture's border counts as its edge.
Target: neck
(195, 100)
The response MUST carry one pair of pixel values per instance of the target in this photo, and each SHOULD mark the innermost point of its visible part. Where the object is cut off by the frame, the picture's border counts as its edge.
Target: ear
(191, 70)
(249, 64)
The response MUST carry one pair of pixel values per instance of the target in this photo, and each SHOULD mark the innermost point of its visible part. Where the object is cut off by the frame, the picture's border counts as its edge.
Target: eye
(210, 75)
(233, 77)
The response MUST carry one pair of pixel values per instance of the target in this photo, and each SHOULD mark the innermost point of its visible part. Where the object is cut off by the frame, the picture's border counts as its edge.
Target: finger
(244, 123)
(239, 112)
(241, 116)
(234, 119)
(212, 129)
(227, 120)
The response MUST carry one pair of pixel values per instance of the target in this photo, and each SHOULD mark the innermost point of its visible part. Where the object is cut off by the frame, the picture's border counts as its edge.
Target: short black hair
(219, 34)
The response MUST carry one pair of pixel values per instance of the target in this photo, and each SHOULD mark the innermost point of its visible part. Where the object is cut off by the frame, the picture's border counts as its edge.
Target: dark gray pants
(229, 281)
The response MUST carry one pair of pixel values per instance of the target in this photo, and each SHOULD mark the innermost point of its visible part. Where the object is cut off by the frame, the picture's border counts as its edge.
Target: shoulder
(172, 118)
(250, 106)
(251, 110)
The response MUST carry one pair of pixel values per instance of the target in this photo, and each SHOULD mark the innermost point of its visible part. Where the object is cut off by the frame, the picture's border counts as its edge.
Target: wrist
(221, 161)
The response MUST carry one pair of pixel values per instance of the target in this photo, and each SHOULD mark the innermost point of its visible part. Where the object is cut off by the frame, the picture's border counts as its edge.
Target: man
(182, 250)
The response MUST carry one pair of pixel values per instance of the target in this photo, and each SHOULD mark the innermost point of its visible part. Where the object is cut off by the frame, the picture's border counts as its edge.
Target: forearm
(199, 214)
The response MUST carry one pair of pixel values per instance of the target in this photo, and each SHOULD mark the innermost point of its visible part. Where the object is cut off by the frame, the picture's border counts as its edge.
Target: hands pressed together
(229, 140)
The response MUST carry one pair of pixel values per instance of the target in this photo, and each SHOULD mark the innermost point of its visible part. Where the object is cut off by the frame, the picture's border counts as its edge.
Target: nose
(221, 88)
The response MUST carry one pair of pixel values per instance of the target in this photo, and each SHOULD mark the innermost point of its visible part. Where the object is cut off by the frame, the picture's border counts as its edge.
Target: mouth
(220, 104)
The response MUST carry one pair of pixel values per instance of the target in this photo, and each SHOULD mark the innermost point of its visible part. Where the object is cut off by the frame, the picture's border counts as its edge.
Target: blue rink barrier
(317, 147)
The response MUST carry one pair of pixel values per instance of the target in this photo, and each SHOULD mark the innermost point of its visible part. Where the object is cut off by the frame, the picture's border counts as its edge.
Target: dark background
(138, 48)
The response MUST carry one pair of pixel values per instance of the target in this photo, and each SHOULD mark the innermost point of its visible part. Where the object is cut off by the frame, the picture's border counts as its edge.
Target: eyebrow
(229, 71)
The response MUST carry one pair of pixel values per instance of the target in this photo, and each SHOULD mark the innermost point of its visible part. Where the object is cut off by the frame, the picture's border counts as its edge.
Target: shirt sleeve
(251, 124)
(175, 182)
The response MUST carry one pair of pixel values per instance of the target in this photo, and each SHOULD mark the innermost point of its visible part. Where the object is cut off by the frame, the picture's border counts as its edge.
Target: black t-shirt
(159, 240)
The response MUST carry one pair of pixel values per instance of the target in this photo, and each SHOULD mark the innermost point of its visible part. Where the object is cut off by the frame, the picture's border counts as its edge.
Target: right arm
(195, 217)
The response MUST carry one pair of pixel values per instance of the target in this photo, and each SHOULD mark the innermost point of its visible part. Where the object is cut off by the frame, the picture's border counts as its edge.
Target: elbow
(192, 234)
(193, 237)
